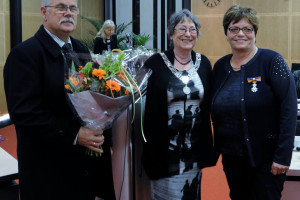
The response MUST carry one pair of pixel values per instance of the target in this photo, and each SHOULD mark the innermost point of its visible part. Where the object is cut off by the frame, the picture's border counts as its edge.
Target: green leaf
(97, 25)
(95, 85)
(141, 40)
(87, 68)
(122, 27)
(106, 63)
(73, 68)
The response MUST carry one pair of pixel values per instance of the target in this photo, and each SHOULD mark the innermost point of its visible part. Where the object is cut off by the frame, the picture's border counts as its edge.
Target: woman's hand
(278, 169)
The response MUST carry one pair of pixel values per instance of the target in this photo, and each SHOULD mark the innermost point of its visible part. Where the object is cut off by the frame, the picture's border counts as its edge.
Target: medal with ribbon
(254, 80)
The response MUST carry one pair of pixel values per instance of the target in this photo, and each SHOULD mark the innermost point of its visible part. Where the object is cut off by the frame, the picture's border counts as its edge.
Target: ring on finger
(94, 143)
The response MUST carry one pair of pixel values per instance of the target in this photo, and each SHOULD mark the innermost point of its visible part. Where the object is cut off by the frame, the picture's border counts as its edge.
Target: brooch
(254, 80)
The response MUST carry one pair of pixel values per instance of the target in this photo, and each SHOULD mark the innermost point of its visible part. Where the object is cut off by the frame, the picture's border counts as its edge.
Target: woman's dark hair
(236, 13)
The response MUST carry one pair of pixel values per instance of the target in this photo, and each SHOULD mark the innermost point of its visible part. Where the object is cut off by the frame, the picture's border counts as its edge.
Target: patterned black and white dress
(183, 111)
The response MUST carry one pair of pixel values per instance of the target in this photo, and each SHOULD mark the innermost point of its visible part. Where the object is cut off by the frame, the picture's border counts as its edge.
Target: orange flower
(100, 73)
(67, 87)
(113, 85)
(75, 82)
(126, 92)
(80, 67)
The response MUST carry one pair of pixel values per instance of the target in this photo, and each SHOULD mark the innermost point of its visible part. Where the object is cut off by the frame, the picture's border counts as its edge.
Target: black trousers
(251, 183)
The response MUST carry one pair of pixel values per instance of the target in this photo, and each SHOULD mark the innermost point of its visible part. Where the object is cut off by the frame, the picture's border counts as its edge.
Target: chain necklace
(185, 62)
(185, 79)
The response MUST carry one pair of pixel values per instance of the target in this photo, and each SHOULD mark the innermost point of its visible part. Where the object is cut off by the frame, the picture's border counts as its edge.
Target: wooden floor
(214, 186)
(9, 144)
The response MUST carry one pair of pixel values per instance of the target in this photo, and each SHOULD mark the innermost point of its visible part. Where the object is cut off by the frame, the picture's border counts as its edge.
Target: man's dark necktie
(70, 55)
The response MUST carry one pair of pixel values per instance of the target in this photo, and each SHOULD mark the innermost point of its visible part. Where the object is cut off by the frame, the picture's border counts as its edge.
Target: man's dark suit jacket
(100, 46)
(50, 166)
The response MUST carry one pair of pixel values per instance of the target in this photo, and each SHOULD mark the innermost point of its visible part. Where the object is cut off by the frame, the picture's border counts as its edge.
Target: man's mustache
(66, 19)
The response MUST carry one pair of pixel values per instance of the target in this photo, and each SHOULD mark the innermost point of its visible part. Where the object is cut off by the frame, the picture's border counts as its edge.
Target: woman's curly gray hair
(182, 16)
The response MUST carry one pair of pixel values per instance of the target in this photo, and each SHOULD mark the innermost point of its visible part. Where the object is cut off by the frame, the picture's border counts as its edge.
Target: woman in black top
(106, 39)
(179, 143)
(254, 109)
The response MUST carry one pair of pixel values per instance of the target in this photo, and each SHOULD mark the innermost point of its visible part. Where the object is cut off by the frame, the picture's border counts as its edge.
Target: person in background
(180, 81)
(51, 143)
(106, 40)
(296, 75)
(254, 110)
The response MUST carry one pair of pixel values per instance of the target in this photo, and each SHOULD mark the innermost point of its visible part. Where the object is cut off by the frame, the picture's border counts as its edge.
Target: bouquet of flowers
(99, 95)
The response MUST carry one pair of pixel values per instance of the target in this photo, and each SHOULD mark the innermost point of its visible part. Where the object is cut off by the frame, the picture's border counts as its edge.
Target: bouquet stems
(93, 153)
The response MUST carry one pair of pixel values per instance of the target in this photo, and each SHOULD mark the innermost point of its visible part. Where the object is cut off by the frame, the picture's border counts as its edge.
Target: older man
(51, 142)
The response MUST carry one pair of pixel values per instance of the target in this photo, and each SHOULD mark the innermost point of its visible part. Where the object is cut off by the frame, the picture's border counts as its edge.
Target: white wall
(124, 13)
(146, 20)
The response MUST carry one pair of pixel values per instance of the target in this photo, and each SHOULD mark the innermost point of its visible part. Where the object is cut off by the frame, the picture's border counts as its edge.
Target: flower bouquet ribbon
(98, 95)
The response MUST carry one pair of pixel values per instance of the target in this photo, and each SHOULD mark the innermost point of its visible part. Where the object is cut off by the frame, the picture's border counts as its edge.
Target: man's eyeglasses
(183, 30)
(60, 9)
(236, 30)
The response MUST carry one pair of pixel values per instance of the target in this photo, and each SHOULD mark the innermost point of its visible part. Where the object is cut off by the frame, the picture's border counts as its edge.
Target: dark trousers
(251, 183)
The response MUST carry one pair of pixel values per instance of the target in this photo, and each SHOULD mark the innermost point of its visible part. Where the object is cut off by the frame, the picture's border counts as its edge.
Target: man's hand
(91, 139)
(278, 169)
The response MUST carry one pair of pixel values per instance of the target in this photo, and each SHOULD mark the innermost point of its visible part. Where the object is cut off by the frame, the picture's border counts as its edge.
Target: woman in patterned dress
(179, 84)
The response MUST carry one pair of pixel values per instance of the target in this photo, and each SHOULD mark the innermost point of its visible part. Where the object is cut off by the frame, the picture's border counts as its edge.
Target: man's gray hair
(48, 2)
